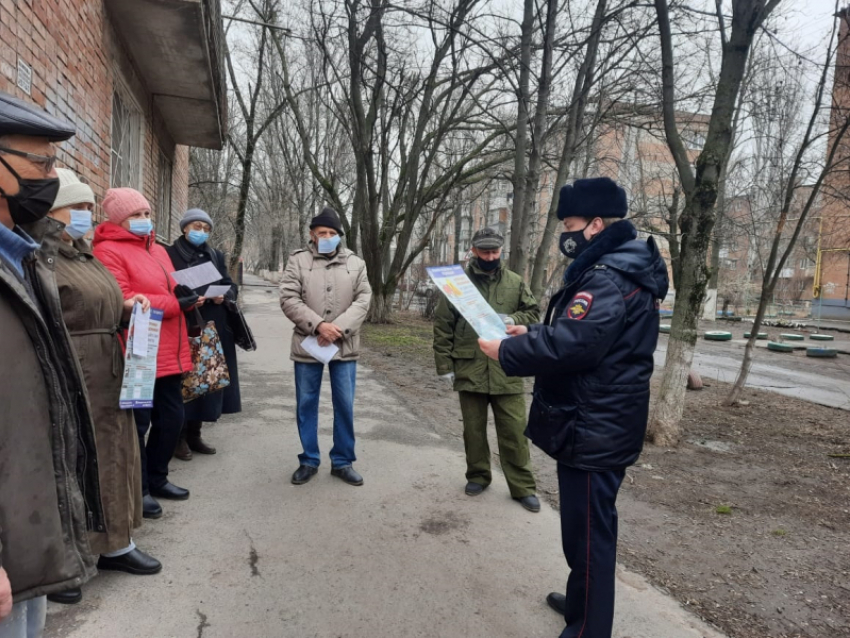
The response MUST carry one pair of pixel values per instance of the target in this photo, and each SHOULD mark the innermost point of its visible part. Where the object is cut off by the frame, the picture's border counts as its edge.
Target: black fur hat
(593, 197)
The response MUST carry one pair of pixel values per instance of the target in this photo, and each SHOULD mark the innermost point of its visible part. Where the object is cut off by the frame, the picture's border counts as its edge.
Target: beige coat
(317, 288)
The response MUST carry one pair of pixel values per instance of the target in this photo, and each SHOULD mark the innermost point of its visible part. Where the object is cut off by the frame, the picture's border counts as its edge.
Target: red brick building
(833, 277)
(142, 80)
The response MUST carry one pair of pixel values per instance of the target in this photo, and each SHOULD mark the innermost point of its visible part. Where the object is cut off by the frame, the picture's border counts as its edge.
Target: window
(163, 198)
(729, 264)
(806, 263)
(126, 140)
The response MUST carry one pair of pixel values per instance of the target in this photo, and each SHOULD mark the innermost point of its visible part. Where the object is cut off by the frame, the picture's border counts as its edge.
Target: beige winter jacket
(317, 288)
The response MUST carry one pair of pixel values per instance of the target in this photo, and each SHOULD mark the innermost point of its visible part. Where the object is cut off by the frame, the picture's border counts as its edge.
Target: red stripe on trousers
(587, 567)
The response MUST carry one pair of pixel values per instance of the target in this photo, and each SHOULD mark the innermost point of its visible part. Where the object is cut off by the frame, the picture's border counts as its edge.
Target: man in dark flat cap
(480, 382)
(48, 440)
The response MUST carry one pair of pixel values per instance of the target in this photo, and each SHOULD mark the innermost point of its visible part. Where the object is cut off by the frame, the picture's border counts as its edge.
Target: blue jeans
(308, 383)
(26, 620)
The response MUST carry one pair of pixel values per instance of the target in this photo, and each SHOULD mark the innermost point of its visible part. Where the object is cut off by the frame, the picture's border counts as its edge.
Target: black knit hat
(593, 197)
(329, 219)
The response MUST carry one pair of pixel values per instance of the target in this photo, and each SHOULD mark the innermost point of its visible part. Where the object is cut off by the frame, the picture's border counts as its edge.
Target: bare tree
(700, 190)
(419, 129)
(255, 114)
(793, 163)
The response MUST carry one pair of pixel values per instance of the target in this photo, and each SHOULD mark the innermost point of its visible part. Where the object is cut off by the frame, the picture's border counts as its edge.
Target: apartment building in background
(834, 226)
(141, 81)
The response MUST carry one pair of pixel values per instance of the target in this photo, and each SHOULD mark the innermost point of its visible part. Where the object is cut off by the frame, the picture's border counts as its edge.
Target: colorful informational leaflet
(463, 295)
(140, 371)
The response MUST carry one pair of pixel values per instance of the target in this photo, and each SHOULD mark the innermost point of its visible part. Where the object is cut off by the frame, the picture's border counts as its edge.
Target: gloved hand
(450, 378)
(186, 297)
(507, 320)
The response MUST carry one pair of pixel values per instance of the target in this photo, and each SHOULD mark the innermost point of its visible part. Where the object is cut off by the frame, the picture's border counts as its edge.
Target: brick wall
(76, 62)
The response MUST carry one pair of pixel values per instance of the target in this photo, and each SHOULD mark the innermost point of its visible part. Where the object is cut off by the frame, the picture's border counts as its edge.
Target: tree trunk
(701, 190)
(517, 258)
(575, 121)
(381, 308)
(242, 207)
(663, 427)
(458, 219)
(538, 140)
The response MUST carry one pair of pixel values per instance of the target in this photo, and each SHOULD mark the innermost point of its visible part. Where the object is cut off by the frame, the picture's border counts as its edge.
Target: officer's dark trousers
(165, 422)
(589, 536)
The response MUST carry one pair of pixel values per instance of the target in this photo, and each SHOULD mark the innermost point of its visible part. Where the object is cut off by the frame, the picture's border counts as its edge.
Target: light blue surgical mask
(197, 237)
(80, 224)
(141, 227)
(328, 245)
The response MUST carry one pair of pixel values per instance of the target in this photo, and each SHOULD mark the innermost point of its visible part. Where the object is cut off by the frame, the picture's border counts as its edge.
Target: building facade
(832, 279)
(141, 81)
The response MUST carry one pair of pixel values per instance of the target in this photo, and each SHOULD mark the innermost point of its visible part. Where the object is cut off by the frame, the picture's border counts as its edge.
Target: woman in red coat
(126, 246)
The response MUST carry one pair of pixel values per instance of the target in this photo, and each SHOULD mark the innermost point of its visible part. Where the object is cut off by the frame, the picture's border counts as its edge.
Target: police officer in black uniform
(592, 359)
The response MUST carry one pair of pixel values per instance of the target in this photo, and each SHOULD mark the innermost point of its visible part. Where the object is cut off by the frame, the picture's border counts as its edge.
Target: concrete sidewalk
(406, 555)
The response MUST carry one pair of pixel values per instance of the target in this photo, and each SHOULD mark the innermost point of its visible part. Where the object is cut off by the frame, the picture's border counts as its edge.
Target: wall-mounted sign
(24, 77)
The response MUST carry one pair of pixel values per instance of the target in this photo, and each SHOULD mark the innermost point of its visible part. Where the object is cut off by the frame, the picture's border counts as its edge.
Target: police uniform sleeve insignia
(579, 306)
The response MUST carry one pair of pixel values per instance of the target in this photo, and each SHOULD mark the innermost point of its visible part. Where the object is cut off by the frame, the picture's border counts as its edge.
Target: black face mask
(574, 243)
(488, 266)
(34, 198)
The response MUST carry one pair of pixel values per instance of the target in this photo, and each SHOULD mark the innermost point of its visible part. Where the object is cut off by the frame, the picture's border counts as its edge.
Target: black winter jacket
(592, 358)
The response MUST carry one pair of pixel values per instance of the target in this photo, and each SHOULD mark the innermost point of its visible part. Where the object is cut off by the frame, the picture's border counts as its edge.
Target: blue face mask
(327, 246)
(197, 237)
(141, 227)
(80, 224)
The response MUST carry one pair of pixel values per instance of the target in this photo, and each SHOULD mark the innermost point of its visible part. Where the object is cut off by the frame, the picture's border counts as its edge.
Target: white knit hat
(71, 190)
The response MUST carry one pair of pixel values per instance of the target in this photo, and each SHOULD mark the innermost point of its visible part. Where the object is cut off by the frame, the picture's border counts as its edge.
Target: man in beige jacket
(326, 294)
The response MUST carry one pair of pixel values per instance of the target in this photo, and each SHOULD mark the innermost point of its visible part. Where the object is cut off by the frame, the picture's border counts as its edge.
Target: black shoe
(150, 508)
(530, 502)
(171, 492)
(348, 475)
(197, 444)
(558, 602)
(67, 597)
(133, 562)
(474, 489)
(303, 474)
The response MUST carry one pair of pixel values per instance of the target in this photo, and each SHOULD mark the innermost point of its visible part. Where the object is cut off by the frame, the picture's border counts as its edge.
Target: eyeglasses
(46, 162)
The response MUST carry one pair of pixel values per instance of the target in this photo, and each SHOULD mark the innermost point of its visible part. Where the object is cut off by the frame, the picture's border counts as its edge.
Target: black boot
(194, 440)
(182, 451)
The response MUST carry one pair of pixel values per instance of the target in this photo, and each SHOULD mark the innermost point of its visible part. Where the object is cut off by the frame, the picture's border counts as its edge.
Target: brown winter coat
(333, 288)
(48, 452)
(92, 305)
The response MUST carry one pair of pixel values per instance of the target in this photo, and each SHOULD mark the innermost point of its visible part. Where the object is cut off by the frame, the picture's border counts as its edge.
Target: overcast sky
(813, 19)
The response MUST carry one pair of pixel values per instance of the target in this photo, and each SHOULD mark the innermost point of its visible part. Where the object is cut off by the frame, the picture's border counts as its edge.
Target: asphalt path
(822, 381)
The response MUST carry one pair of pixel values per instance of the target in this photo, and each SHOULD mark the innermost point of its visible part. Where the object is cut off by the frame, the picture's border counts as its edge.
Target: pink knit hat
(121, 203)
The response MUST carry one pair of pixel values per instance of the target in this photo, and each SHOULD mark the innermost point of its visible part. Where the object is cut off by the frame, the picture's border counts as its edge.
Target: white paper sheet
(216, 291)
(140, 322)
(197, 276)
(319, 353)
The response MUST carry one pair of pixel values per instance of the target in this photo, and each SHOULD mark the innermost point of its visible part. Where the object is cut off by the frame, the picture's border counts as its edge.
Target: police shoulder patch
(579, 306)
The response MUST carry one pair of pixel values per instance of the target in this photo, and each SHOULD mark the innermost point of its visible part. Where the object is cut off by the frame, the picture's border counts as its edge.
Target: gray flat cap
(487, 239)
(22, 118)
